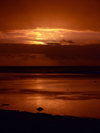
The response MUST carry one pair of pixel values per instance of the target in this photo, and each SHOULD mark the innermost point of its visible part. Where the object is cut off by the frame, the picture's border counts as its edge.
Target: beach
(24, 122)
(58, 94)
(49, 102)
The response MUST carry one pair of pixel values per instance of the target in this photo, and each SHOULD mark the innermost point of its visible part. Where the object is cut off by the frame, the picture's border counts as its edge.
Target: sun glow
(45, 35)
(50, 36)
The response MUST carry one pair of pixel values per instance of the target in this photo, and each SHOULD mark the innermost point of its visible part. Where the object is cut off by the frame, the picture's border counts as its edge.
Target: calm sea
(57, 94)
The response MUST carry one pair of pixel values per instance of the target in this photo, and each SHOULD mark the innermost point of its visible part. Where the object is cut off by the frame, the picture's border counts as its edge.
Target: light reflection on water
(57, 95)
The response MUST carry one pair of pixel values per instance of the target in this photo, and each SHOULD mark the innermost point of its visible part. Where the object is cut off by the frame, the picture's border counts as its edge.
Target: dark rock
(40, 109)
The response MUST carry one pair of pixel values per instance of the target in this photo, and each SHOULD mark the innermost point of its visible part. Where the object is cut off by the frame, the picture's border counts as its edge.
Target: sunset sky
(46, 21)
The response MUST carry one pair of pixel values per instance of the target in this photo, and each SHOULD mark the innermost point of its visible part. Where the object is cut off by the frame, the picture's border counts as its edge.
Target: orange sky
(45, 21)
(27, 15)
(70, 14)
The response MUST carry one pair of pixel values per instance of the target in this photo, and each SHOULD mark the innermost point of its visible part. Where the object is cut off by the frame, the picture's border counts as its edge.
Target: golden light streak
(35, 42)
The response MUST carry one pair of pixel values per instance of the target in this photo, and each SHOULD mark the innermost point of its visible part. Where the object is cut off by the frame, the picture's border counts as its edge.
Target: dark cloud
(22, 54)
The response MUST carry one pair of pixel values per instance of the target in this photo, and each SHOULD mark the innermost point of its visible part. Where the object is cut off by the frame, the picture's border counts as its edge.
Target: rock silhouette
(40, 109)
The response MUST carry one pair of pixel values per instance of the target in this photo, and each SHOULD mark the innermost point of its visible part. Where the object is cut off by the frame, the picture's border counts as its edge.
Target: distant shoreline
(51, 69)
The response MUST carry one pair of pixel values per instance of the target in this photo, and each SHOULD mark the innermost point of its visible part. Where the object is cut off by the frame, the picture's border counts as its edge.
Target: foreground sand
(24, 122)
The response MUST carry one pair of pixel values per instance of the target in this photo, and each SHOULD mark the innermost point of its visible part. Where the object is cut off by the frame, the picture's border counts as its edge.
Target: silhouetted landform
(52, 69)
(2, 105)
(24, 122)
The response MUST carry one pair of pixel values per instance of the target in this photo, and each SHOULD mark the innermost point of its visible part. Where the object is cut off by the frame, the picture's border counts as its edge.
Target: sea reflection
(76, 96)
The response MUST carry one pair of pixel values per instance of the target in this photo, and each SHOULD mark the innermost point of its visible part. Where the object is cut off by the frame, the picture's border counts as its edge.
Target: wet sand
(60, 95)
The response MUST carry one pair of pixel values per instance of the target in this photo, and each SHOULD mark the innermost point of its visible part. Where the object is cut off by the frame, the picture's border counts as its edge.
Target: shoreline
(25, 122)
